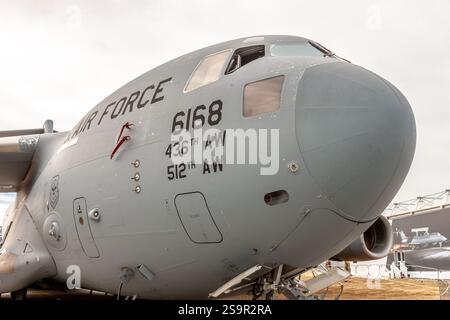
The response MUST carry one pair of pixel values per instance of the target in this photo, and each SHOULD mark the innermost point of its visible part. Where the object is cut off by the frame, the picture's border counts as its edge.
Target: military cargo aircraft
(116, 199)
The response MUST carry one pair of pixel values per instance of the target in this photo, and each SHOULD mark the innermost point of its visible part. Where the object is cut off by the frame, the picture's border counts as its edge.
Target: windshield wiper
(326, 52)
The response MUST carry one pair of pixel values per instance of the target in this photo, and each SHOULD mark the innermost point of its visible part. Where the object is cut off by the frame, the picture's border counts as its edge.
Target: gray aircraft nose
(357, 136)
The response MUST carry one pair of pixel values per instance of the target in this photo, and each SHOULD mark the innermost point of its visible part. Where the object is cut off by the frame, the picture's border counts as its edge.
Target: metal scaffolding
(435, 201)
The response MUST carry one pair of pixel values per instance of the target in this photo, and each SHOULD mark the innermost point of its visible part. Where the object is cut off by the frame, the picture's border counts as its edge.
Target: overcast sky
(60, 58)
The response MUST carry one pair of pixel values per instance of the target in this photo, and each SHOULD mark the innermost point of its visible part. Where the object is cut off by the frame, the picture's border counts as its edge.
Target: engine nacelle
(374, 243)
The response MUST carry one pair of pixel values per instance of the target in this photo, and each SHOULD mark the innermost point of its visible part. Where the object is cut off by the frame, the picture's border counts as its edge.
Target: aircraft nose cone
(357, 136)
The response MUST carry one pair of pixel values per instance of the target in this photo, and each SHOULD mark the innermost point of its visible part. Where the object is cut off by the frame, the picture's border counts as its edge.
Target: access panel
(196, 218)
(83, 228)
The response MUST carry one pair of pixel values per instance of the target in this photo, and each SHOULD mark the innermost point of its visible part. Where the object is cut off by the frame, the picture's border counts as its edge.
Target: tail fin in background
(403, 236)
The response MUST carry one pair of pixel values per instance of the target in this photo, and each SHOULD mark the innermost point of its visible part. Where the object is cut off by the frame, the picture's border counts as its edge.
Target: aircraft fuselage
(116, 200)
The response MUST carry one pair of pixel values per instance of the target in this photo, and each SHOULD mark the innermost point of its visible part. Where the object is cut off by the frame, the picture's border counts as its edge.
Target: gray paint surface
(351, 133)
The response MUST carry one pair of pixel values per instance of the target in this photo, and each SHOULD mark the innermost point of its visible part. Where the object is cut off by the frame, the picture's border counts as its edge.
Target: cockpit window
(243, 56)
(262, 96)
(295, 50)
(306, 49)
(208, 70)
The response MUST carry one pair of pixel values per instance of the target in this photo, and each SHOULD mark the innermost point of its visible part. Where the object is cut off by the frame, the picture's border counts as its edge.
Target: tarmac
(392, 289)
(354, 288)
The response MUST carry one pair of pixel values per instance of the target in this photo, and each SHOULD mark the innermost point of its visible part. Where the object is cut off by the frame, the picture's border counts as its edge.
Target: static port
(276, 197)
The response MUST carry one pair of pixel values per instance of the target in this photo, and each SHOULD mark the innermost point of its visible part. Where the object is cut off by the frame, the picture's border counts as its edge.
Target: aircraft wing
(16, 153)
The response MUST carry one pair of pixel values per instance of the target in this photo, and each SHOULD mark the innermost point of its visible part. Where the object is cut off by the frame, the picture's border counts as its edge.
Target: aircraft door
(83, 228)
(196, 218)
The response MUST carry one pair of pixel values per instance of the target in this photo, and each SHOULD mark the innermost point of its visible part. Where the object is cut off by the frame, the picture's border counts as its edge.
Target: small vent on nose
(276, 197)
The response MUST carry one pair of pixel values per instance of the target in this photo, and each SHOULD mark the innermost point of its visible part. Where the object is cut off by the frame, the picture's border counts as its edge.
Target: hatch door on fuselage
(196, 218)
(83, 228)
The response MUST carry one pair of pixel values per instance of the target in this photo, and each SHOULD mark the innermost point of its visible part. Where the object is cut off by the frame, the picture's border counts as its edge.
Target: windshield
(208, 70)
(295, 50)
(305, 49)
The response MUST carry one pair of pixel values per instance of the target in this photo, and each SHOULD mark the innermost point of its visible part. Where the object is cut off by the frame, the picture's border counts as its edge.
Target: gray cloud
(59, 58)
(6, 198)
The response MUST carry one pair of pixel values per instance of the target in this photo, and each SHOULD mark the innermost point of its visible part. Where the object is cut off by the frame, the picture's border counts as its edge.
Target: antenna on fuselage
(48, 126)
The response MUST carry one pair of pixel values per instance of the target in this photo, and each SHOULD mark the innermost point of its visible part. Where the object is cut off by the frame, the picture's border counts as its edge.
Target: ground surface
(354, 289)
(397, 289)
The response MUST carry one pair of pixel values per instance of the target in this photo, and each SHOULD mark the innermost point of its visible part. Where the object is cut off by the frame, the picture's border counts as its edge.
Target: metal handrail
(434, 201)
(388, 269)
